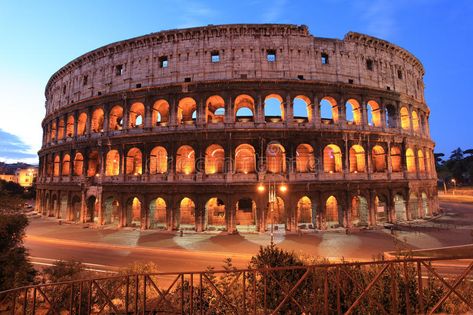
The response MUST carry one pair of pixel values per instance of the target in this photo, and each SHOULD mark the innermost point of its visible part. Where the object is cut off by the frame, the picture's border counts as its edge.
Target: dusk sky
(39, 37)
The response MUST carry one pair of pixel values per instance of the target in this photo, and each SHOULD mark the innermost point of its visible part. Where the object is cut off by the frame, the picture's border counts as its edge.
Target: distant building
(22, 176)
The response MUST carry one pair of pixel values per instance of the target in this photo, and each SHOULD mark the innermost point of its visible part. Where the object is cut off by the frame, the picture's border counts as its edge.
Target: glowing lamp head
(283, 188)
(260, 187)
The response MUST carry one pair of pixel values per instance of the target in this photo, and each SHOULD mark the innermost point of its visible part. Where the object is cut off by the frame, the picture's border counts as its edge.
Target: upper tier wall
(243, 53)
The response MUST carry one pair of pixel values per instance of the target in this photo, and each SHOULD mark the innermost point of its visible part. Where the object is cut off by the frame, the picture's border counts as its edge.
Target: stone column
(289, 110)
(259, 110)
(316, 118)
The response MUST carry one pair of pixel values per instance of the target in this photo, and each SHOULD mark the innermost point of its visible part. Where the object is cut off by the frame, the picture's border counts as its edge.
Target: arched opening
(275, 158)
(415, 121)
(81, 124)
(359, 211)
(305, 213)
(328, 110)
(137, 115)
(134, 162)
(400, 208)
(391, 116)
(70, 126)
(245, 159)
(160, 115)
(57, 165)
(331, 212)
(185, 160)
(214, 159)
(92, 210)
(111, 212)
(78, 164)
(428, 161)
(158, 163)
(305, 161)
(215, 110)
(276, 215)
(245, 216)
(97, 120)
(405, 122)
(410, 161)
(420, 158)
(413, 206)
(187, 214)
(395, 159)
(357, 159)
(185, 110)
(381, 209)
(244, 108)
(53, 131)
(53, 205)
(63, 208)
(373, 110)
(302, 109)
(112, 163)
(378, 159)
(93, 163)
(61, 129)
(425, 205)
(133, 212)
(66, 165)
(332, 159)
(76, 204)
(353, 112)
(273, 108)
(157, 214)
(215, 215)
(116, 118)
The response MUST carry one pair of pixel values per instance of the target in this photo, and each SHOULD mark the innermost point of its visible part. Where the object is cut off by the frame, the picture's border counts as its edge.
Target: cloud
(194, 14)
(13, 149)
(379, 16)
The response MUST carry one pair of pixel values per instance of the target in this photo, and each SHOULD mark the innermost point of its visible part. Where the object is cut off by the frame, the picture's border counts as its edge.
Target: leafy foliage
(458, 166)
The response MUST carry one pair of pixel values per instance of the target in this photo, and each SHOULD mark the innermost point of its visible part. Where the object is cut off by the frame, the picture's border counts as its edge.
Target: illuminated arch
(305, 213)
(395, 159)
(353, 111)
(57, 165)
(133, 212)
(112, 163)
(81, 124)
(134, 162)
(185, 160)
(244, 108)
(78, 164)
(357, 159)
(359, 211)
(331, 211)
(160, 114)
(93, 163)
(186, 213)
(158, 163)
(305, 161)
(405, 120)
(214, 159)
(185, 111)
(332, 159)
(273, 108)
(245, 159)
(70, 126)
(378, 157)
(421, 160)
(374, 113)
(97, 120)
(215, 214)
(328, 110)
(410, 161)
(116, 118)
(275, 158)
(157, 213)
(302, 109)
(137, 115)
(215, 109)
(61, 129)
(415, 121)
(66, 165)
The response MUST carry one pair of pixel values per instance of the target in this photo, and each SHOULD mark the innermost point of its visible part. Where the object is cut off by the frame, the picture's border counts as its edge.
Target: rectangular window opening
(187, 79)
(84, 81)
(119, 70)
(300, 77)
(324, 58)
(271, 55)
(163, 62)
(138, 85)
(214, 56)
(369, 64)
(350, 81)
(399, 74)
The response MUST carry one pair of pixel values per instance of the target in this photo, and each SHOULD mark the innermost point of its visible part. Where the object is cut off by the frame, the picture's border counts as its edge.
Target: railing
(408, 286)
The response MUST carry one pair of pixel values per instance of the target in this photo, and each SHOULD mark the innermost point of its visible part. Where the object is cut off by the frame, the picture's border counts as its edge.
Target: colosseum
(236, 127)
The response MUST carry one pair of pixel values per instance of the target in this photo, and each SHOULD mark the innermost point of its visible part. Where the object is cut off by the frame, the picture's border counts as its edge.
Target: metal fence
(407, 286)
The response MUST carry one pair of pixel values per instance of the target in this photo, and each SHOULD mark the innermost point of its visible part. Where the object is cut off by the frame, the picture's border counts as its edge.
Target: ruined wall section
(243, 51)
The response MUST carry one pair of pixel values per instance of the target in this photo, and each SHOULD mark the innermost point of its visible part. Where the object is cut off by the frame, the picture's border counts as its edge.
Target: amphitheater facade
(190, 128)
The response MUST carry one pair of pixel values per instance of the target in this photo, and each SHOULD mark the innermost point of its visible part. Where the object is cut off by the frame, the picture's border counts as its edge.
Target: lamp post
(272, 199)
(454, 182)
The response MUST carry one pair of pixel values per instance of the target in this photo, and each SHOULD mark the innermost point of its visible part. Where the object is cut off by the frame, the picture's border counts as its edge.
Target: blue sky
(38, 37)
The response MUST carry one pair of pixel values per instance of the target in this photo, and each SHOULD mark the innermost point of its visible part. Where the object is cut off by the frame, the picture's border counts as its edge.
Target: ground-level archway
(245, 216)
(414, 206)
(76, 204)
(133, 212)
(305, 214)
(92, 210)
(359, 211)
(157, 214)
(400, 208)
(187, 214)
(111, 212)
(63, 208)
(276, 215)
(425, 205)
(214, 215)
(381, 209)
(332, 217)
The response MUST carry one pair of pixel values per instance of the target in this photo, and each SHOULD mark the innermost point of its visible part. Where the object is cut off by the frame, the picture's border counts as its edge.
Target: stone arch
(97, 120)
(305, 160)
(357, 159)
(276, 214)
(76, 205)
(57, 165)
(275, 158)
(332, 215)
(116, 118)
(353, 112)
(391, 116)
(93, 163)
(332, 159)
(81, 124)
(373, 111)
(421, 160)
(92, 210)
(245, 159)
(328, 110)
(160, 114)
(359, 211)
(215, 109)
(395, 159)
(47, 205)
(70, 126)
(63, 207)
(158, 162)
(215, 215)
(425, 205)
(53, 131)
(214, 159)
(134, 162)
(185, 111)
(400, 208)
(54, 205)
(111, 211)
(66, 165)
(381, 208)
(137, 115)
(61, 129)
(112, 163)
(133, 212)
(378, 157)
(185, 160)
(157, 214)
(415, 121)
(244, 108)
(302, 109)
(413, 205)
(410, 161)
(245, 215)
(273, 108)
(305, 213)
(405, 120)
(186, 214)
(78, 164)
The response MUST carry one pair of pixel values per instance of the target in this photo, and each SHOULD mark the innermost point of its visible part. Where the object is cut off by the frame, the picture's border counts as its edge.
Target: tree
(15, 268)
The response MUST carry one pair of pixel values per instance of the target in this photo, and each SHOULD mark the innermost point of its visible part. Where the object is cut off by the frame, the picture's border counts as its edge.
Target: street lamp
(454, 182)
(272, 199)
